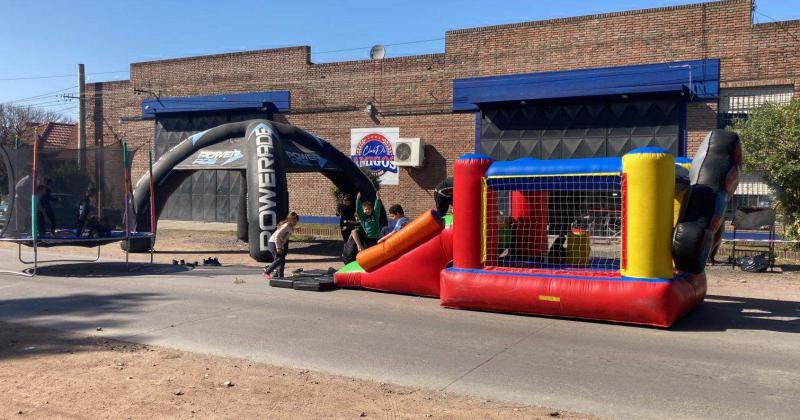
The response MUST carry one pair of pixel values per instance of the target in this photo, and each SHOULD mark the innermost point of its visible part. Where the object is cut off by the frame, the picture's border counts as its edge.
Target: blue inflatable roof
(528, 166)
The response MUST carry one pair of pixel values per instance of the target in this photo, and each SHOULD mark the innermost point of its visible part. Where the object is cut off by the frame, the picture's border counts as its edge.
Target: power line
(58, 76)
(780, 26)
(386, 45)
(47, 103)
(39, 96)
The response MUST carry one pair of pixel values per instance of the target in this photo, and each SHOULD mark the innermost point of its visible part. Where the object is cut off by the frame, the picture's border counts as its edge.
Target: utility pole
(81, 117)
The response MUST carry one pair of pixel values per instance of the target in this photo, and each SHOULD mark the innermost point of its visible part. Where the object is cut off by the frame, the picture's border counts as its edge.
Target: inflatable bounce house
(621, 239)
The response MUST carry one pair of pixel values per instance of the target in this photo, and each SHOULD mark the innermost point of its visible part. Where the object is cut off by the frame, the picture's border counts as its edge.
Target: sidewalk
(196, 226)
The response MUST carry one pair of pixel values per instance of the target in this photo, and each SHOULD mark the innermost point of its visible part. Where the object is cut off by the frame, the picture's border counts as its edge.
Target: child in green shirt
(369, 216)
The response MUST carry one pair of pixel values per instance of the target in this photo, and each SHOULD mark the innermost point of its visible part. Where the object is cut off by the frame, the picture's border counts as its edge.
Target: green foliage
(336, 194)
(771, 145)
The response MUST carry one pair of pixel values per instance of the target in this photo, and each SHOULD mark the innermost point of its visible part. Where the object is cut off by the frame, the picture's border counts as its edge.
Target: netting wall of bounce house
(563, 223)
(66, 182)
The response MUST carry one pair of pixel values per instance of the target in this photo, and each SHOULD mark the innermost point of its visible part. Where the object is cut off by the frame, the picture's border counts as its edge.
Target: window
(739, 102)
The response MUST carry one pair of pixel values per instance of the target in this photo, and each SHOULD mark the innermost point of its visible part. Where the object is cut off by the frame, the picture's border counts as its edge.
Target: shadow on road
(78, 312)
(203, 252)
(322, 248)
(19, 341)
(109, 269)
(722, 313)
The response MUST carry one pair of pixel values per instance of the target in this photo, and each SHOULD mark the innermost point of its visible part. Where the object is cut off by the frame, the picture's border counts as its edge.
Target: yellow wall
(649, 214)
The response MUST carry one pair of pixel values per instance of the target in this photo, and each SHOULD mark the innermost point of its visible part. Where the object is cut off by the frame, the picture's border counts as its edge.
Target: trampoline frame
(35, 240)
(31, 272)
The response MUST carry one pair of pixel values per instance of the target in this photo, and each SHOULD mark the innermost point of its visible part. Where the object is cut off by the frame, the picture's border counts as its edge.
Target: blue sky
(45, 38)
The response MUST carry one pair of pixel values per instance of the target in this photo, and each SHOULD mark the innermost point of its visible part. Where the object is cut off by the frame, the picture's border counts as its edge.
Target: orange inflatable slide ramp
(409, 262)
(398, 243)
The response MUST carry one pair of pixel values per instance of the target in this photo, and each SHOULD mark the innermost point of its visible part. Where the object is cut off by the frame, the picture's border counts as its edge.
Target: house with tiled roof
(53, 135)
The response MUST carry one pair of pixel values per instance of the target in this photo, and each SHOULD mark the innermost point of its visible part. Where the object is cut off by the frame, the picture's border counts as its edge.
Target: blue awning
(272, 101)
(699, 79)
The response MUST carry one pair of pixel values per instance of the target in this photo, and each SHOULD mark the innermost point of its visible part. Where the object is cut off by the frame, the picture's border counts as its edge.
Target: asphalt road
(731, 358)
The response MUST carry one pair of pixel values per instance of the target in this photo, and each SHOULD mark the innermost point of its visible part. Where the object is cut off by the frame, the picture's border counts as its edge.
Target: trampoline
(67, 197)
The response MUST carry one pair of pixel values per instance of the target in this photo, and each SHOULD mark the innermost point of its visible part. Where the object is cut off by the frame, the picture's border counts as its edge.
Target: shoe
(267, 276)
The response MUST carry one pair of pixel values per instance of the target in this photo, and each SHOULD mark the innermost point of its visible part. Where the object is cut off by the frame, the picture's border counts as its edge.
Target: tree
(771, 144)
(16, 120)
(373, 177)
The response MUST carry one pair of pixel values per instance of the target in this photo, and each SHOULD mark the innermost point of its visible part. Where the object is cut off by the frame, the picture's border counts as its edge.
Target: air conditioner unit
(410, 152)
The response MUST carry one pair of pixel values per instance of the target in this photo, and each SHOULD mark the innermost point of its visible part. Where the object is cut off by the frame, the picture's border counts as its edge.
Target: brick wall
(700, 118)
(414, 93)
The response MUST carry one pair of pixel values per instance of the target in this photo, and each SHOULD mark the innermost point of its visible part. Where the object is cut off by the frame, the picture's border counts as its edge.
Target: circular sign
(374, 151)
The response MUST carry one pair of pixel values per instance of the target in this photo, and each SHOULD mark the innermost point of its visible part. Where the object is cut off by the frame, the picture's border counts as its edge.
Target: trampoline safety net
(80, 196)
(555, 223)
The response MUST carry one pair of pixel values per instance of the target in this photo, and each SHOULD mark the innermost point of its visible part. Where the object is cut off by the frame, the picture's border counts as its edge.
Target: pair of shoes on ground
(212, 261)
(183, 262)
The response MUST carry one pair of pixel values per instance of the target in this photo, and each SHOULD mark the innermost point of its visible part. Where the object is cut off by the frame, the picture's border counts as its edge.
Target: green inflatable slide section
(351, 267)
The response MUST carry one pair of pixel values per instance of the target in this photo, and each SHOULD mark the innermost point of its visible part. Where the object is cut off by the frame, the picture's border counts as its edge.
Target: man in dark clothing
(347, 216)
(88, 218)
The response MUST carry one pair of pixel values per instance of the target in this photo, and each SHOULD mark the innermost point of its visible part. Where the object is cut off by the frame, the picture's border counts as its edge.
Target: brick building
(569, 87)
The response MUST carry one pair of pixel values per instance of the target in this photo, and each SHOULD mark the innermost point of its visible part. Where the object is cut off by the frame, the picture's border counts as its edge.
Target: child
(369, 216)
(399, 218)
(279, 244)
(397, 214)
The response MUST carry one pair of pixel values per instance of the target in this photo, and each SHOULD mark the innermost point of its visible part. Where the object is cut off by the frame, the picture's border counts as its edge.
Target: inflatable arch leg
(266, 186)
(241, 214)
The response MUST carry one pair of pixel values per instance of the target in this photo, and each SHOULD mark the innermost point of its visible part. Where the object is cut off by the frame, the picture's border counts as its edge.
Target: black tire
(443, 196)
(691, 244)
(719, 153)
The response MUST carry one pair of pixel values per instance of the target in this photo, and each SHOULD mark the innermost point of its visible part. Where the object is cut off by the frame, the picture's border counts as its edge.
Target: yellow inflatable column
(649, 194)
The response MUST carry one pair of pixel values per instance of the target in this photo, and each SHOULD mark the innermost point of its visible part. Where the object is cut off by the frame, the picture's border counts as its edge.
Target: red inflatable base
(653, 302)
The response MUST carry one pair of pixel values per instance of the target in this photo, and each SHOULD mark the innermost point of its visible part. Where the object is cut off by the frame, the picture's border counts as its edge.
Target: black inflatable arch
(267, 195)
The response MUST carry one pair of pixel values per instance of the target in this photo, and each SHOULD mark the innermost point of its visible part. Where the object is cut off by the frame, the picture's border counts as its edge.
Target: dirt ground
(45, 374)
